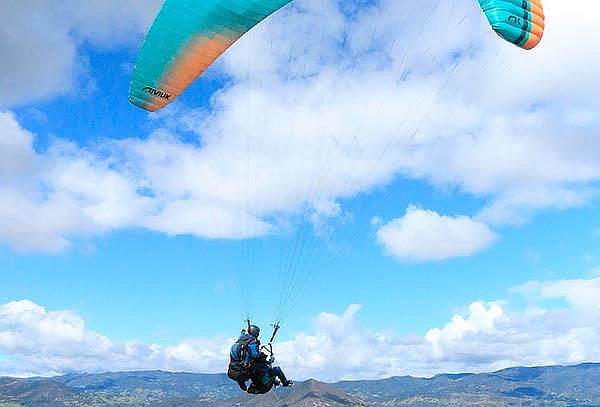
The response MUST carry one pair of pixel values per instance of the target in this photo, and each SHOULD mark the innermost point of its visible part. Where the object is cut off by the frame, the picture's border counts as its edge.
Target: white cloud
(27, 225)
(584, 294)
(39, 42)
(38, 341)
(422, 235)
(205, 220)
(109, 23)
(485, 337)
(47, 199)
(39, 56)
(17, 157)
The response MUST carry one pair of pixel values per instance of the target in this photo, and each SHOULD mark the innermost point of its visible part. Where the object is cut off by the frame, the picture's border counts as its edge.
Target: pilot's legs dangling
(278, 373)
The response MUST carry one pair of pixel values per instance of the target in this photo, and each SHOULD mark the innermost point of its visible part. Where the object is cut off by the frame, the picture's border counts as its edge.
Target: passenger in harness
(266, 375)
(243, 355)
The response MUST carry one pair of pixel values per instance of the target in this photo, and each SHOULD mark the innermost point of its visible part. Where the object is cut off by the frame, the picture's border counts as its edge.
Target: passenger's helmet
(254, 330)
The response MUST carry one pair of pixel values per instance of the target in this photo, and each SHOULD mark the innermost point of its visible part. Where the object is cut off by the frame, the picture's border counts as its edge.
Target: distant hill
(520, 386)
(564, 386)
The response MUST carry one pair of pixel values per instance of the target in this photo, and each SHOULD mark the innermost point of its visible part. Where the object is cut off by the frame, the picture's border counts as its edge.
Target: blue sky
(465, 193)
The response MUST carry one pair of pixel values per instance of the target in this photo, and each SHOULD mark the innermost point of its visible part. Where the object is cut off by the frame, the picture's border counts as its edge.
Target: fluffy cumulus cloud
(329, 111)
(36, 341)
(484, 337)
(422, 235)
(47, 199)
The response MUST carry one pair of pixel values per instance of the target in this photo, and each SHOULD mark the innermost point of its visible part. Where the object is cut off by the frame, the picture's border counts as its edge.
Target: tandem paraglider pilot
(248, 360)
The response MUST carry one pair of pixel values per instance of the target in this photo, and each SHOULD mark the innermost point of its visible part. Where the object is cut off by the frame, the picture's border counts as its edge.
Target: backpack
(240, 369)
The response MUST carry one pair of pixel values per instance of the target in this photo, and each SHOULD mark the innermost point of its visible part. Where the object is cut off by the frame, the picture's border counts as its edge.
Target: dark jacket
(242, 357)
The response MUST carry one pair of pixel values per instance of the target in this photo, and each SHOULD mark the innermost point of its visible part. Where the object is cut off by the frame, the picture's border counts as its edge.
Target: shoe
(287, 383)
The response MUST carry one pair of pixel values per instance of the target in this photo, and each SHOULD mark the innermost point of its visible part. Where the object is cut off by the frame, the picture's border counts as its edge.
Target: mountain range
(564, 386)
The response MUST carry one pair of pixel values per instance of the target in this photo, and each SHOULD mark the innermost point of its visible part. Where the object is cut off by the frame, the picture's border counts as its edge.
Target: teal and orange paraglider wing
(189, 35)
(518, 21)
(185, 39)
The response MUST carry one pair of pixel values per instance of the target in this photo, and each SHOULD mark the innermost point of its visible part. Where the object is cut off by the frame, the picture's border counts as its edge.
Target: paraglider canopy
(189, 35)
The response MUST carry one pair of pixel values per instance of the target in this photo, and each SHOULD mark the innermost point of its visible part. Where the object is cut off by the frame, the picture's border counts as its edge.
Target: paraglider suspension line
(275, 330)
(269, 346)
